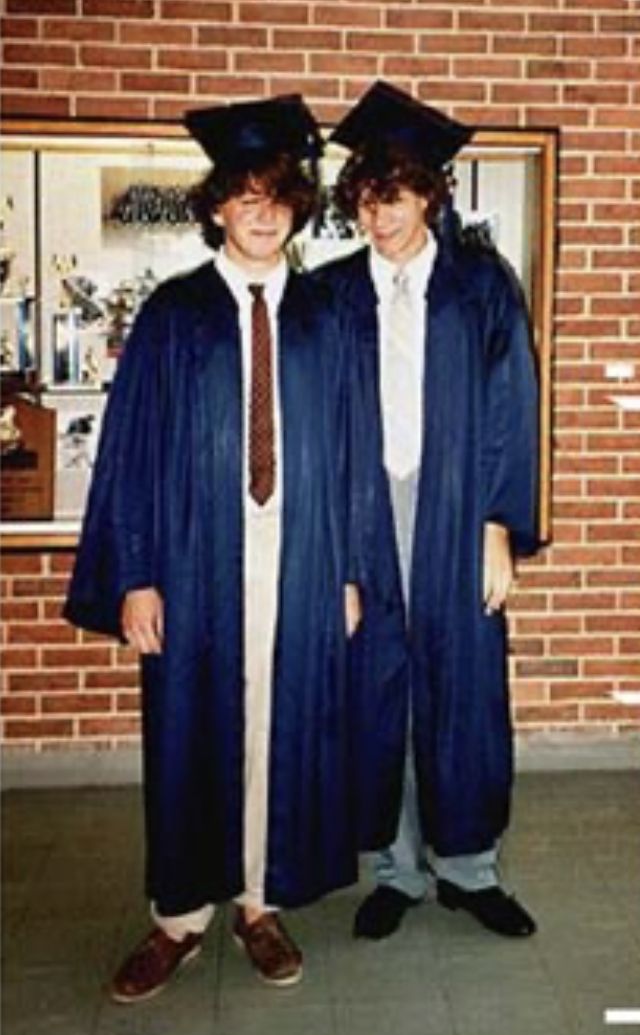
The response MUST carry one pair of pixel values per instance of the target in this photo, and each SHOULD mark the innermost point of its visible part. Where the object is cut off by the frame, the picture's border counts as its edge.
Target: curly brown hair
(380, 171)
(282, 177)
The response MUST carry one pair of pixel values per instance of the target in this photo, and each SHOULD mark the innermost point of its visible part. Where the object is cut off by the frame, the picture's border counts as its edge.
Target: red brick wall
(572, 63)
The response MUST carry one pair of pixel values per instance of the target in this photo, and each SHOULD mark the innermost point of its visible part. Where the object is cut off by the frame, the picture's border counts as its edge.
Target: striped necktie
(401, 392)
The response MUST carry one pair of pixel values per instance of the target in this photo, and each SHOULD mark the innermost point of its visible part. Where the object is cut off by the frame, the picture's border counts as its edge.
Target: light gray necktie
(401, 390)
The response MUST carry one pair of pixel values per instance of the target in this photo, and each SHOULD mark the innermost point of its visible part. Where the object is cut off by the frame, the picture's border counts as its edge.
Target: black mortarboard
(255, 128)
(386, 115)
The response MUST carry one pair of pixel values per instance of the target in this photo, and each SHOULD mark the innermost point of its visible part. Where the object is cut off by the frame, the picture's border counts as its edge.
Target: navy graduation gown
(479, 463)
(166, 510)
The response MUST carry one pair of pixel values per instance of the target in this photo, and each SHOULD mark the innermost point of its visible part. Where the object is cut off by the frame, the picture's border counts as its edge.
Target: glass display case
(93, 216)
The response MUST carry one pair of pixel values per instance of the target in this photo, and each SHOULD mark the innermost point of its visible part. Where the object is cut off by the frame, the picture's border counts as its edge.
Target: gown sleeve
(510, 443)
(116, 552)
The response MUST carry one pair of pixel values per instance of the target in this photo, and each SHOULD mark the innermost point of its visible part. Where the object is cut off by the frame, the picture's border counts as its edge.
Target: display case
(93, 216)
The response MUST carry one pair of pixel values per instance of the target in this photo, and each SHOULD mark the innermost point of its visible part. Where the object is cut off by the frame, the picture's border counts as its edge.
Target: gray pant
(407, 865)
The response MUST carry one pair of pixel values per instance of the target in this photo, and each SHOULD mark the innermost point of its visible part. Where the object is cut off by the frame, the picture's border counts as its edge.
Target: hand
(142, 620)
(352, 608)
(497, 567)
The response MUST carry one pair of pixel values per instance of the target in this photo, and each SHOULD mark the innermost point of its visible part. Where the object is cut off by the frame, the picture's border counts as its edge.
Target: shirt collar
(238, 279)
(418, 269)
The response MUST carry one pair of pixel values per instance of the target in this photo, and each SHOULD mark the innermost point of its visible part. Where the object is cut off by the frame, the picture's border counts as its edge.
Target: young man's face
(396, 228)
(256, 228)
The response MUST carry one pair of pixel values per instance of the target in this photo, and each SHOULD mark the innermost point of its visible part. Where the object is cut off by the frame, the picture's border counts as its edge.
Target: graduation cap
(386, 116)
(255, 129)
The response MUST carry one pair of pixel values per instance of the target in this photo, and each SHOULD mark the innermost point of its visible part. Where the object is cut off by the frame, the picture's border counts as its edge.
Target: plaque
(27, 440)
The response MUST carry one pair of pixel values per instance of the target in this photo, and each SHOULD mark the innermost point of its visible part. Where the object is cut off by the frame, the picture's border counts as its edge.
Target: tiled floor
(72, 906)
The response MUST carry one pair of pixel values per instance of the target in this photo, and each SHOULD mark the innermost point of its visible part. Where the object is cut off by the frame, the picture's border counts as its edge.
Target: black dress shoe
(494, 909)
(381, 913)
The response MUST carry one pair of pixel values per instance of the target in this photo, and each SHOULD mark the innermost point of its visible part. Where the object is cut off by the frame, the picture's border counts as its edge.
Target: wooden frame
(537, 147)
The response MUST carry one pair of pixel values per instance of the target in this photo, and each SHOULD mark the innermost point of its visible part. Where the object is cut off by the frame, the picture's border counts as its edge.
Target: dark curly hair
(282, 177)
(380, 171)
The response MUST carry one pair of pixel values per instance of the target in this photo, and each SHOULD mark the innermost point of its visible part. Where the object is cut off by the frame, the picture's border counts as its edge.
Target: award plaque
(27, 440)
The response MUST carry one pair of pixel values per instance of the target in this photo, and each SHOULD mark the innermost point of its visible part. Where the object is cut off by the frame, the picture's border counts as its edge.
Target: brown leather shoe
(146, 971)
(274, 954)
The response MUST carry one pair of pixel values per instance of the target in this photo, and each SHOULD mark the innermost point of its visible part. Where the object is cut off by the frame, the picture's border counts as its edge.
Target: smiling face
(256, 227)
(395, 226)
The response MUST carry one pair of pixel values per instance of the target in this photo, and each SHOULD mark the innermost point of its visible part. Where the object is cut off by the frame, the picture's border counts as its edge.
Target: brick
(312, 88)
(191, 59)
(119, 9)
(547, 667)
(105, 726)
(561, 23)
(627, 24)
(612, 711)
(614, 306)
(76, 657)
(232, 36)
(492, 21)
(630, 645)
(585, 556)
(19, 610)
(33, 682)
(45, 587)
(602, 187)
(547, 579)
(226, 86)
(343, 64)
(586, 601)
(164, 34)
(128, 703)
(61, 562)
(116, 57)
(151, 82)
(612, 578)
(523, 93)
(587, 46)
(451, 92)
(60, 7)
(585, 510)
(594, 141)
(579, 689)
(579, 646)
(18, 79)
(43, 632)
(418, 18)
(38, 54)
(308, 39)
(79, 29)
(76, 82)
(553, 624)
(379, 42)
(75, 704)
(258, 62)
(594, 93)
(21, 564)
(625, 71)
(113, 108)
(589, 282)
(18, 706)
(18, 28)
(618, 213)
(524, 44)
(196, 11)
(38, 729)
(116, 679)
(338, 14)
(273, 13)
(18, 657)
(487, 67)
(557, 69)
(397, 66)
(526, 646)
(551, 712)
(456, 43)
